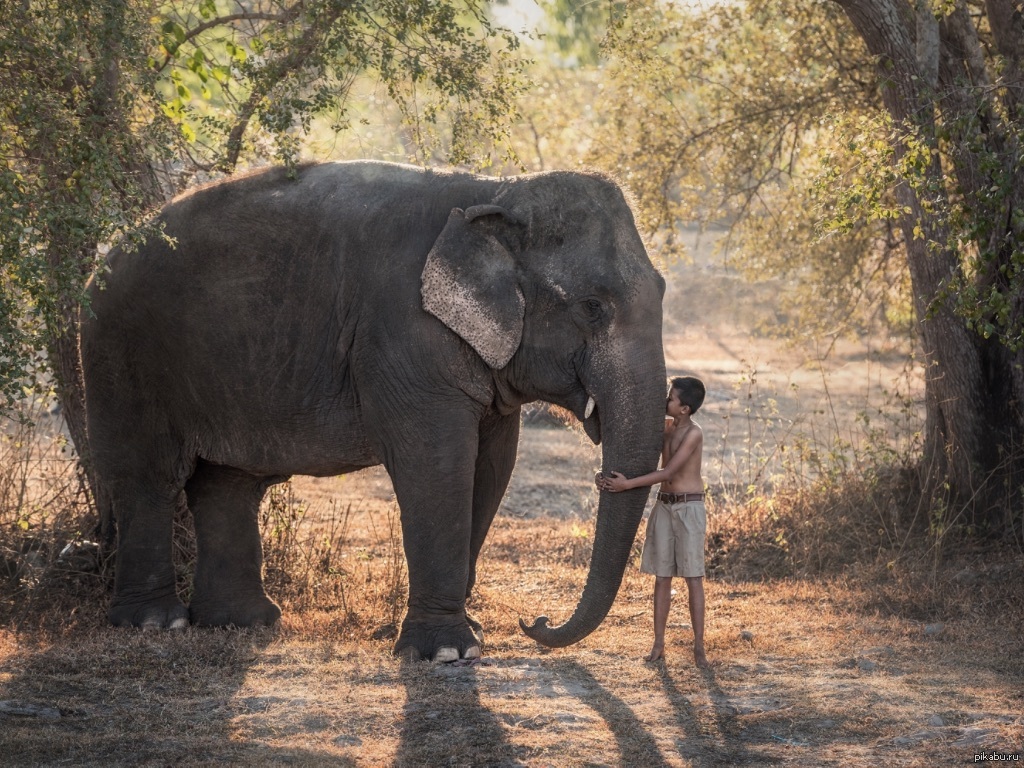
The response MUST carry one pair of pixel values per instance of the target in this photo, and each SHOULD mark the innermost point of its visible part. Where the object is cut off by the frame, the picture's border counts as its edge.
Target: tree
(902, 139)
(951, 77)
(107, 107)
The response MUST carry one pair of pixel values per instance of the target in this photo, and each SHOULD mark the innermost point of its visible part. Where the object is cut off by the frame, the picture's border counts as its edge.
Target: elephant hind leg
(228, 587)
(145, 593)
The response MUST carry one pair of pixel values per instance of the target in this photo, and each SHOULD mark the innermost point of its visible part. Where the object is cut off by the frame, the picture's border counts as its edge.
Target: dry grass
(821, 654)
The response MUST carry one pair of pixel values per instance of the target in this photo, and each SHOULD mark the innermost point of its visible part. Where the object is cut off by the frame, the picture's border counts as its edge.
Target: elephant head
(551, 284)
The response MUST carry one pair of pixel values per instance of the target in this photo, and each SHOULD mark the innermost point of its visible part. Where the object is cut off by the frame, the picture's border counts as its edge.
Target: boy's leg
(662, 603)
(695, 588)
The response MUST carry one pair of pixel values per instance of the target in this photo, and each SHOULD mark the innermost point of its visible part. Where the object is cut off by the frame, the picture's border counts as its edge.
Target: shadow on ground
(128, 697)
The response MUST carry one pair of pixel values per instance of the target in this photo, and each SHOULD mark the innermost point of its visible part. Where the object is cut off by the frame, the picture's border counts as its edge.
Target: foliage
(576, 30)
(70, 132)
(282, 65)
(751, 111)
(109, 106)
(723, 115)
(878, 172)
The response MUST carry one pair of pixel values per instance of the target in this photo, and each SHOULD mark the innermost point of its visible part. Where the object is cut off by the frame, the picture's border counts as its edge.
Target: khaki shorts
(675, 540)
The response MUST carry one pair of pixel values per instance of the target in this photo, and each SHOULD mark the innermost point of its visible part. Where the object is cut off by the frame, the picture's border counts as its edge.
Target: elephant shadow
(456, 732)
(120, 697)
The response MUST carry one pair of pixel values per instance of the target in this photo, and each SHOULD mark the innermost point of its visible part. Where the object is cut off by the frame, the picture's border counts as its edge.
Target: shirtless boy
(678, 522)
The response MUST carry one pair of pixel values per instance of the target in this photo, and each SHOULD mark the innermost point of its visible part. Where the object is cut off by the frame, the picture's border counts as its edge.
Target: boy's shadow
(719, 748)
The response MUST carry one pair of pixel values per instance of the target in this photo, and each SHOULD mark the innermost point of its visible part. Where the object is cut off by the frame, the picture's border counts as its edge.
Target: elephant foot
(258, 610)
(444, 641)
(164, 613)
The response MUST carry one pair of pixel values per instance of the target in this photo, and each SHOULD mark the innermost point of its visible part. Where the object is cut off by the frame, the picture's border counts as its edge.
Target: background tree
(951, 77)
(107, 107)
(834, 154)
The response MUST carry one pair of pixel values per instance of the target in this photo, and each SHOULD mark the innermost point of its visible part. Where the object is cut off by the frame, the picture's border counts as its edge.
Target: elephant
(334, 316)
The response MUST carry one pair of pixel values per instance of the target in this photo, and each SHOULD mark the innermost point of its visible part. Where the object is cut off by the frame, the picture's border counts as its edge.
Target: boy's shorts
(675, 540)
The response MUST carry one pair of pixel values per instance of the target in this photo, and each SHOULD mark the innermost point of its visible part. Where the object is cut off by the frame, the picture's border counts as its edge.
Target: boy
(678, 522)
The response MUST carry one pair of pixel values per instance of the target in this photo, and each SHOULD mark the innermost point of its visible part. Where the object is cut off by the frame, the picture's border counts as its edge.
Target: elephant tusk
(590, 408)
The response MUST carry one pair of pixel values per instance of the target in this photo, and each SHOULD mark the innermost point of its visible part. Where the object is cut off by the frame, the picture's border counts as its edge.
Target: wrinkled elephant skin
(355, 314)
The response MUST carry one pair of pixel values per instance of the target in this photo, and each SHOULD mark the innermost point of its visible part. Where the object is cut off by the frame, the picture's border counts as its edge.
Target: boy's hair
(691, 391)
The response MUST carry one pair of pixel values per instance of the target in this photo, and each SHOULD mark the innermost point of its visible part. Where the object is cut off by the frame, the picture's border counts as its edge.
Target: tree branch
(193, 33)
(272, 74)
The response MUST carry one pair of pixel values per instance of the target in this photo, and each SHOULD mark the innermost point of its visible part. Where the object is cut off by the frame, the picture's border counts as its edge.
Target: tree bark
(103, 117)
(968, 429)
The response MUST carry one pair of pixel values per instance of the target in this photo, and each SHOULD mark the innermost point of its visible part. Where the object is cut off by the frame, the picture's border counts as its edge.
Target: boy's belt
(676, 498)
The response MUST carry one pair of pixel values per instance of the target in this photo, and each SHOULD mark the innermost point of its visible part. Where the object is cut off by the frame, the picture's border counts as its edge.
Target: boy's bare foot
(700, 659)
(657, 652)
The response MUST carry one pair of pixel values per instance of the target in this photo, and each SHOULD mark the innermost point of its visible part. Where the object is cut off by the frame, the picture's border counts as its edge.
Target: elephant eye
(594, 310)
(590, 313)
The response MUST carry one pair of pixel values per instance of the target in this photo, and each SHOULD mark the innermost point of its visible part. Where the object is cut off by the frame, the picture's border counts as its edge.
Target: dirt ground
(803, 672)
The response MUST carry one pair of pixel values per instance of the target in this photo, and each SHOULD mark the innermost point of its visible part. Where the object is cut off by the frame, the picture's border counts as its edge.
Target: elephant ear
(469, 284)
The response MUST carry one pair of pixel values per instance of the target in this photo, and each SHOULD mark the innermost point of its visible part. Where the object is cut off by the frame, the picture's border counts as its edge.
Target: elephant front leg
(435, 494)
(496, 458)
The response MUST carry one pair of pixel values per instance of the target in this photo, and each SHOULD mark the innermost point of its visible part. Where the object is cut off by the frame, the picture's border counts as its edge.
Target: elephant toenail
(179, 623)
(446, 654)
(473, 652)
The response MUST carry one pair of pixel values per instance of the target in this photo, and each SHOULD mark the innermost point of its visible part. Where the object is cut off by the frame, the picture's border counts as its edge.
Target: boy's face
(673, 407)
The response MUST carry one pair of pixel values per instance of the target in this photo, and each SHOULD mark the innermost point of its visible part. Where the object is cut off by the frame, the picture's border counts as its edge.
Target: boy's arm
(616, 481)
(666, 442)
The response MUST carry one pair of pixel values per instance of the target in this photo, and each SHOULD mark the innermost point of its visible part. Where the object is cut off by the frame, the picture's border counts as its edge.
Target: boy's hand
(613, 481)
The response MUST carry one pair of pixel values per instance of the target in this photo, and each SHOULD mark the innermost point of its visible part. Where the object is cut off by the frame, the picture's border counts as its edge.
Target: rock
(747, 635)
(966, 577)
(880, 650)
(934, 629)
(346, 740)
(28, 709)
(80, 556)
(916, 738)
(936, 720)
(997, 571)
(866, 665)
(754, 705)
(974, 737)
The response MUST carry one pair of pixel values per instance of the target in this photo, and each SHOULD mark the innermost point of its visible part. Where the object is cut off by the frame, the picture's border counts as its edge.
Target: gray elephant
(354, 314)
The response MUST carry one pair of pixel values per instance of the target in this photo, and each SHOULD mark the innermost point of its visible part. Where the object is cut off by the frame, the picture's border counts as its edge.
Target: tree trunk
(66, 360)
(929, 68)
(70, 258)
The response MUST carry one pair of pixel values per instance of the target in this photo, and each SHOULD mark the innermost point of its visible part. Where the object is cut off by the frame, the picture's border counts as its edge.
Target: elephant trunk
(632, 421)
